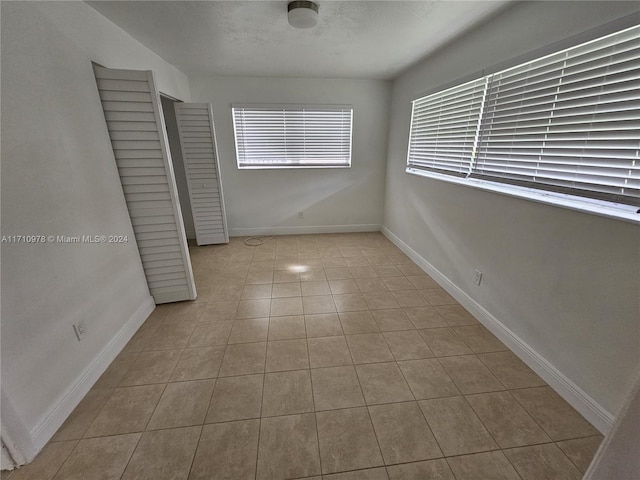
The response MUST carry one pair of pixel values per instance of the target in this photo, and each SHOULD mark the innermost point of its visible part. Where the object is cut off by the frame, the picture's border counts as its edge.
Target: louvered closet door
(131, 109)
(197, 140)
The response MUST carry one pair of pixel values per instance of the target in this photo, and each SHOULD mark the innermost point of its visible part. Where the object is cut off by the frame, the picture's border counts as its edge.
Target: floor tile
(337, 273)
(284, 307)
(356, 261)
(347, 440)
(184, 312)
(285, 276)
(287, 393)
(407, 345)
(318, 304)
(182, 404)
(114, 374)
(417, 277)
(236, 398)
(443, 342)
(383, 383)
(371, 284)
(328, 352)
(254, 278)
(256, 291)
(253, 308)
(287, 328)
(358, 322)
(221, 311)
(366, 474)
(336, 387)
(249, 331)
(225, 293)
(542, 462)
(198, 363)
(556, 417)
(581, 450)
(506, 420)
(313, 275)
(392, 320)
(99, 458)
(409, 299)
(437, 297)
(323, 325)
(424, 317)
(287, 355)
(395, 284)
(456, 427)
(428, 470)
(227, 451)
(288, 447)
(340, 287)
(46, 464)
(470, 375)
(387, 271)
(380, 300)
(403, 433)
(171, 336)
(369, 348)
(83, 415)
(350, 302)
(363, 271)
(427, 379)
(243, 359)
(288, 289)
(479, 339)
(456, 315)
(210, 333)
(128, 410)
(163, 455)
(510, 370)
(483, 466)
(315, 288)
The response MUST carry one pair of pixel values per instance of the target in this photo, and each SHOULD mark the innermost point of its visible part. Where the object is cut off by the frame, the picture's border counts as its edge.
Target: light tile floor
(316, 356)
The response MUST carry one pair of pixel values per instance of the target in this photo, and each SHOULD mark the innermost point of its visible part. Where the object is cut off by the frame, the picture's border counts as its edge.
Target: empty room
(320, 240)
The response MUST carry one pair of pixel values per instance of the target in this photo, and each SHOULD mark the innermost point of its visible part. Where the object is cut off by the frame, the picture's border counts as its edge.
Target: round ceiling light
(303, 14)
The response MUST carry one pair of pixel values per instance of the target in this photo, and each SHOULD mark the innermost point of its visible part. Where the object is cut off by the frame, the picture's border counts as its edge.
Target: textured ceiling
(353, 39)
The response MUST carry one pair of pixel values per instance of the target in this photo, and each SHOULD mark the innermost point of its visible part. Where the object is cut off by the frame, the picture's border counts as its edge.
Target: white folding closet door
(132, 112)
(199, 153)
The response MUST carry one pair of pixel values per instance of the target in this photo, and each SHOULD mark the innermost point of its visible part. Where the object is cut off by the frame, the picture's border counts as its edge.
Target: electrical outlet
(300, 214)
(477, 277)
(81, 330)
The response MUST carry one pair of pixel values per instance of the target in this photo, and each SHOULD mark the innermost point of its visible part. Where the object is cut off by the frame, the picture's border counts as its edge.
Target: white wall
(268, 201)
(59, 178)
(565, 283)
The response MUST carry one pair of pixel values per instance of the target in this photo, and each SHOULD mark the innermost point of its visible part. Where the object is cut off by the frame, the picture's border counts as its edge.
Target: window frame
(605, 207)
(284, 107)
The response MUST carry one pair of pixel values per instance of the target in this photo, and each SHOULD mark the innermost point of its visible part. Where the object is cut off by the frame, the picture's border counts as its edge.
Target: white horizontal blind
(444, 128)
(568, 122)
(292, 136)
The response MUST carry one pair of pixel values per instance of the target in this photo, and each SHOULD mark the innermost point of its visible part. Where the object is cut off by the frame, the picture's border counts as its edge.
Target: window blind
(292, 136)
(444, 129)
(567, 122)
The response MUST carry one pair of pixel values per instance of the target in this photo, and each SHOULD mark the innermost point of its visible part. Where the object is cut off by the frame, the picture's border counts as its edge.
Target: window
(291, 136)
(568, 122)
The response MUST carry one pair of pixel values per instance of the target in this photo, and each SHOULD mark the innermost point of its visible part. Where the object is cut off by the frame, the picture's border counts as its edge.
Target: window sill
(601, 208)
(292, 167)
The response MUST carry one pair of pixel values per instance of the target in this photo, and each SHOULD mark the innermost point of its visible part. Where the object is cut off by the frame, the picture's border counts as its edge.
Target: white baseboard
(302, 230)
(598, 416)
(42, 432)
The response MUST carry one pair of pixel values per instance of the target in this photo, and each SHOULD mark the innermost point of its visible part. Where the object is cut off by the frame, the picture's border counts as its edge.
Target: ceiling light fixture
(302, 14)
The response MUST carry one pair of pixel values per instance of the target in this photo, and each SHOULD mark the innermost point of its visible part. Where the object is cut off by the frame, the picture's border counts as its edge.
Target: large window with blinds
(292, 136)
(568, 122)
